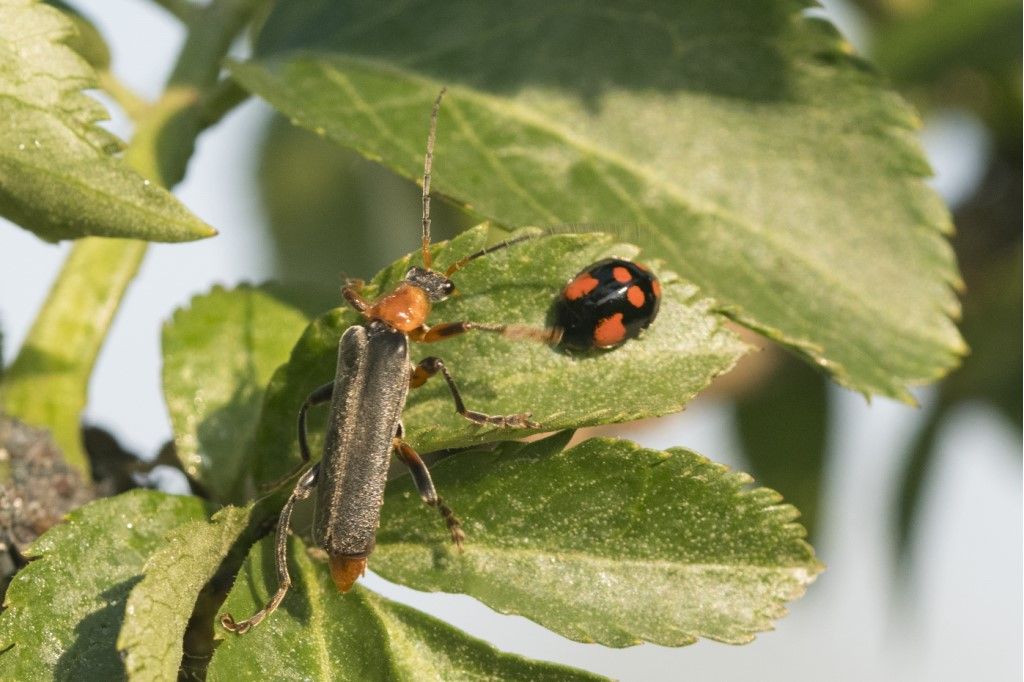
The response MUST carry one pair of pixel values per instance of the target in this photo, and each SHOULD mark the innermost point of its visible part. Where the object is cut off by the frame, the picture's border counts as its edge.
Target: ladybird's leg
(446, 330)
(428, 367)
(425, 486)
(351, 293)
(302, 490)
(319, 396)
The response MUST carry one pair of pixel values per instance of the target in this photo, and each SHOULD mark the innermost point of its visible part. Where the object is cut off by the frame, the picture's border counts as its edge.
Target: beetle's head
(437, 286)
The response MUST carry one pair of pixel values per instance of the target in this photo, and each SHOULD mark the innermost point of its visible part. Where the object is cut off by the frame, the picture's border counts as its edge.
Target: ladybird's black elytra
(606, 304)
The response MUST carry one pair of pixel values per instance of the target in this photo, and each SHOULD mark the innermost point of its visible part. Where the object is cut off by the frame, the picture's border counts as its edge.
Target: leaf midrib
(811, 567)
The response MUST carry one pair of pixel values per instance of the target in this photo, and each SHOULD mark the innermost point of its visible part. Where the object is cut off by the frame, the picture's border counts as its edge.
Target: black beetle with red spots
(606, 304)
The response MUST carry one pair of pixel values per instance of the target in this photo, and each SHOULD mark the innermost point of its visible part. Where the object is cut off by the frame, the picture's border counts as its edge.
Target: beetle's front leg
(425, 486)
(428, 367)
(351, 292)
(522, 332)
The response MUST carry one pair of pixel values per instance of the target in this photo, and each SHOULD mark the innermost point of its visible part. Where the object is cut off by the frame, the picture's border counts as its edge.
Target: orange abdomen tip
(345, 571)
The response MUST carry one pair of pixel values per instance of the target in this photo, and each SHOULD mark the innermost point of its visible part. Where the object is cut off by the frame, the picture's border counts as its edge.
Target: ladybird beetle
(607, 303)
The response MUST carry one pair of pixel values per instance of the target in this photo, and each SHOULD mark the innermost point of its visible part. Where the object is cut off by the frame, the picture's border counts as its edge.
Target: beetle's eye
(448, 288)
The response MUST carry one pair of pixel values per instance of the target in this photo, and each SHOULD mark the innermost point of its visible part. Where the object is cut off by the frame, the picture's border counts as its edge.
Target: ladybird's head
(436, 286)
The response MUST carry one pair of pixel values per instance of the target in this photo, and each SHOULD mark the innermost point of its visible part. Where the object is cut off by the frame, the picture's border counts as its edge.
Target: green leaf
(605, 542)
(682, 351)
(219, 354)
(922, 43)
(783, 427)
(318, 633)
(59, 177)
(160, 605)
(46, 384)
(769, 166)
(62, 612)
(87, 41)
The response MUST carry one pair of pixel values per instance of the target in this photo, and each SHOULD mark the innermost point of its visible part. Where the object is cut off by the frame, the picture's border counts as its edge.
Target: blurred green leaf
(62, 612)
(954, 53)
(47, 382)
(911, 484)
(922, 43)
(990, 375)
(685, 348)
(783, 426)
(87, 41)
(605, 542)
(334, 214)
(159, 607)
(992, 326)
(769, 166)
(219, 354)
(319, 633)
(59, 177)
(989, 242)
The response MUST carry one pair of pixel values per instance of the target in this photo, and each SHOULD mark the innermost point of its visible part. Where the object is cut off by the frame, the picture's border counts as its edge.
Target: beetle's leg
(302, 490)
(319, 396)
(351, 293)
(428, 367)
(425, 486)
(447, 330)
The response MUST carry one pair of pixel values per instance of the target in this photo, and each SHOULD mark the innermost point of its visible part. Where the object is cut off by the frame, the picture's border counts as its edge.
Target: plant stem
(133, 105)
(47, 382)
(46, 385)
(221, 100)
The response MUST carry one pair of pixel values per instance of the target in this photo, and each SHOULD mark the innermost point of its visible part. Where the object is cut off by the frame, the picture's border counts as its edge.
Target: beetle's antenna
(461, 263)
(428, 162)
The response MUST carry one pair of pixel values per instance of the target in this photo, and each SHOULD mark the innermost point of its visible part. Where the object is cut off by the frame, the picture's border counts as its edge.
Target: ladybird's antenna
(428, 162)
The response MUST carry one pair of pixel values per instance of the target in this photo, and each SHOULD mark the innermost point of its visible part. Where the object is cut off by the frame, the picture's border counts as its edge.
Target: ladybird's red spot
(635, 296)
(345, 570)
(580, 287)
(656, 287)
(621, 274)
(609, 331)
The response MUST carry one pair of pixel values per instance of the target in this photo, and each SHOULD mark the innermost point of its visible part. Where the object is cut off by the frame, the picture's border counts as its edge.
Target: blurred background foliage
(966, 55)
(334, 214)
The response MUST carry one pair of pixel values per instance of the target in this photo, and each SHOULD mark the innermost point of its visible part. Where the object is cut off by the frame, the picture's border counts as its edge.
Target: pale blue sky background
(965, 615)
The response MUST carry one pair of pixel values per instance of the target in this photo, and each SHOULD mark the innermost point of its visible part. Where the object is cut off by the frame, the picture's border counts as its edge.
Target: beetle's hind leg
(425, 486)
(302, 490)
(428, 367)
